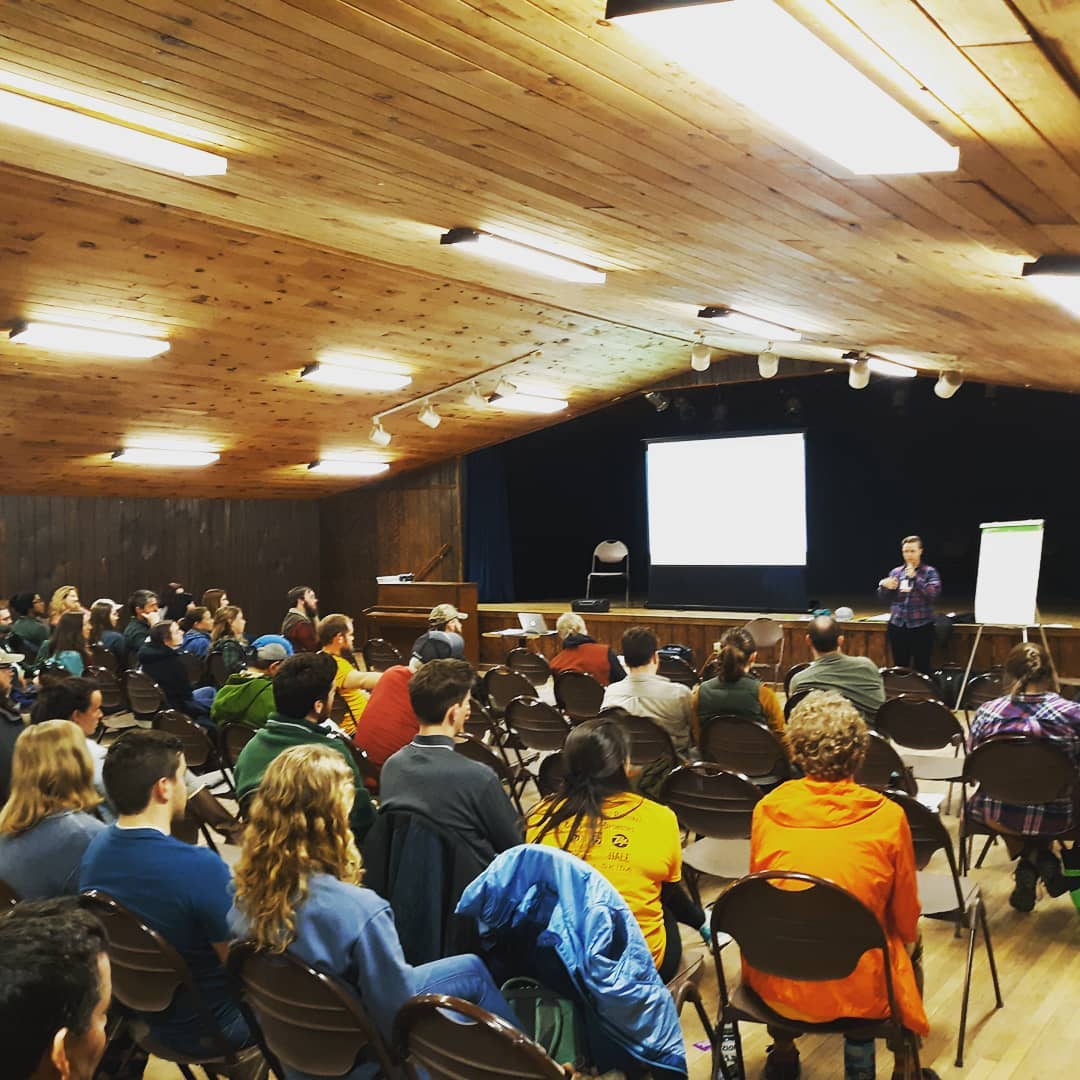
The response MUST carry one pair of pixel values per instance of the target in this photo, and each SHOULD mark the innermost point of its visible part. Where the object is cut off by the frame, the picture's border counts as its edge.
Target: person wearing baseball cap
(446, 617)
(248, 696)
(11, 724)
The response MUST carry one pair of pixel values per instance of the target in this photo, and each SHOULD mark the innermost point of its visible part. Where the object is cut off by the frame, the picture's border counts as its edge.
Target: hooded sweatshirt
(244, 699)
(861, 841)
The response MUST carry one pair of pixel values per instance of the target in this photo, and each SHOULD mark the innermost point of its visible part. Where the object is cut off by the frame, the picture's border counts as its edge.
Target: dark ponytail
(736, 648)
(1029, 664)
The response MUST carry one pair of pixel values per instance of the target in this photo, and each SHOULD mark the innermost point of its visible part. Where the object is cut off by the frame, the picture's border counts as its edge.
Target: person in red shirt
(580, 652)
(301, 620)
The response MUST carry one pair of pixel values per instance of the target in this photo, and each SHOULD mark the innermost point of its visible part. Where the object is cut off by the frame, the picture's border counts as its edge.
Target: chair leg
(185, 1072)
(990, 953)
(973, 929)
(208, 838)
(986, 847)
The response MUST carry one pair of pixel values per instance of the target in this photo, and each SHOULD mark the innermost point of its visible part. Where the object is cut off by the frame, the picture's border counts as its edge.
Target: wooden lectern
(401, 610)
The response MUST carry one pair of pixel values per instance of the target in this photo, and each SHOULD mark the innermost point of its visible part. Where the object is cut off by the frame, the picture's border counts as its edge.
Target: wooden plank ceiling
(357, 132)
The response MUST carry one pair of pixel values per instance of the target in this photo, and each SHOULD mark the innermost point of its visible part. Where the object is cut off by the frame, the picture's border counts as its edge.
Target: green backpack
(552, 1021)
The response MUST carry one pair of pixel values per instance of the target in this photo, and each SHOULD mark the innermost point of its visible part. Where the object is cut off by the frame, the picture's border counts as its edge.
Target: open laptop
(532, 622)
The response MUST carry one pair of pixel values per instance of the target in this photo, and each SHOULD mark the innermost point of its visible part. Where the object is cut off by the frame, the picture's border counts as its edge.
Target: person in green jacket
(303, 690)
(248, 696)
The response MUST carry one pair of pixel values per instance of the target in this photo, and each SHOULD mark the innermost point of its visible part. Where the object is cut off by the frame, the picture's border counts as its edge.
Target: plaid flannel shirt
(1042, 716)
(915, 607)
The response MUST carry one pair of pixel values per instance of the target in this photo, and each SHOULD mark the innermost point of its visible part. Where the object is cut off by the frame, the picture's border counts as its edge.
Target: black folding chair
(747, 747)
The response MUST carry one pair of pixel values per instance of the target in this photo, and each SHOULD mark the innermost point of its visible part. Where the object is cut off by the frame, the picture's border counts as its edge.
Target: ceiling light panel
(84, 340)
(739, 322)
(352, 376)
(522, 256)
(530, 403)
(348, 467)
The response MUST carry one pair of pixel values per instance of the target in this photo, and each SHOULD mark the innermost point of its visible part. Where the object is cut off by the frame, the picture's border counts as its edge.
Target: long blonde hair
(57, 601)
(51, 771)
(299, 826)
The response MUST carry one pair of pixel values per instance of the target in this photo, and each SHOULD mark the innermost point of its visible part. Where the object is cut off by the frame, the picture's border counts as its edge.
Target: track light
(768, 363)
(429, 416)
(354, 377)
(858, 376)
(700, 356)
(1057, 277)
(740, 323)
(348, 467)
(948, 383)
(505, 388)
(523, 256)
(474, 399)
(379, 435)
(659, 401)
(87, 341)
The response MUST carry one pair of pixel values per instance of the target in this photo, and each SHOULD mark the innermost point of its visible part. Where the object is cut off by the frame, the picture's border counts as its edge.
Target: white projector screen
(730, 501)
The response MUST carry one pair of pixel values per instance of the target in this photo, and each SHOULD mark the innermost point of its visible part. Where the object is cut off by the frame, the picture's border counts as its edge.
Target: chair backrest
(103, 657)
(217, 671)
(451, 1039)
(792, 672)
(711, 801)
(648, 740)
(475, 750)
(710, 669)
(928, 832)
(744, 746)
(551, 774)
(112, 692)
(379, 654)
(233, 738)
(900, 680)
(199, 750)
(1021, 770)
(793, 699)
(610, 552)
(677, 670)
(919, 723)
(530, 664)
(884, 769)
(503, 685)
(767, 633)
(537, 724)
(578, 694)
(479, 723)
(814, 932)
(340, 712)
(144, 695)
(309, 1021)
(8, 896)
(194, 667)
(983, 688)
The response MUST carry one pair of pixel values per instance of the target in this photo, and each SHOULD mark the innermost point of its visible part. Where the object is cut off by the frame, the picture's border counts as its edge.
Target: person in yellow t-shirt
(353, 680)
(631, 840)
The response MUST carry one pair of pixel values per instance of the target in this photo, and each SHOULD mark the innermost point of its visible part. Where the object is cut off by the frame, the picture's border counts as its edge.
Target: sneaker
(1048, 868)
(781, 1068)
(1023, 895)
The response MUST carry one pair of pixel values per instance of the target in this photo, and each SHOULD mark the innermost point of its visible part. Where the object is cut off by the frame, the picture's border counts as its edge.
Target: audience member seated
(47, 824)
(31, 630)
(159, 658)
(298, 887)
(830, 826)
(1033, 707)
(435, 645)
(180, 890)
(55, 989)
(215, 599)
(197, 624)
(227, 638)
(856, 677)
(447, 618)
(104, 618)
(428, 777)
(389, 720)
(144, 614)
(67, 643)
(5, 624)
(634, 842)
(64, 599)
(79, 701)
(301, 620)
(11, 725)
(303, 689)
(175, 602)
(579, 652)
(644, 693)
(351, 680)
(248, 696)
(735, 691)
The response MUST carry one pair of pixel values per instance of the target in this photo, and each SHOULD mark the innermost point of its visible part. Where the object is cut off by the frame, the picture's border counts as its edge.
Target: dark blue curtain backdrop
(881, 463)
(488, 548)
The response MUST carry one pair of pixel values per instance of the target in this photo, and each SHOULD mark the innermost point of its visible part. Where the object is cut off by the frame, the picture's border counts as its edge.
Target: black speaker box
(601, 604)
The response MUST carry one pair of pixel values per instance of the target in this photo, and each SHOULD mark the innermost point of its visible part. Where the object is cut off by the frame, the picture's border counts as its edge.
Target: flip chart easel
(1006, 591)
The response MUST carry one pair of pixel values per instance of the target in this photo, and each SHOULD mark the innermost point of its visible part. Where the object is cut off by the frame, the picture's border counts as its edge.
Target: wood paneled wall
(389, 528)
(256, 548)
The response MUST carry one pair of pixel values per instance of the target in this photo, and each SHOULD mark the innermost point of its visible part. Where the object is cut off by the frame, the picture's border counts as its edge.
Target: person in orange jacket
(827, 825)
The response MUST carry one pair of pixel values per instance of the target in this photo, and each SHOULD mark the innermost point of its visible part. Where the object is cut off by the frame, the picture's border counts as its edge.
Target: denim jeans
(464, 977)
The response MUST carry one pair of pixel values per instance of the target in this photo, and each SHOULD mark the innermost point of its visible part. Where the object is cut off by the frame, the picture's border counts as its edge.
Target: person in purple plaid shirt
(911, 589)
(1033, 708)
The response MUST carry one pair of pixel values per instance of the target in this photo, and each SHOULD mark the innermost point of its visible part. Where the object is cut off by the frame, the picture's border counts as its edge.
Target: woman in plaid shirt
(1033, 708)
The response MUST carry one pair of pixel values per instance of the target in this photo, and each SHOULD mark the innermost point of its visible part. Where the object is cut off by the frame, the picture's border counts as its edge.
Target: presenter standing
(911, 589)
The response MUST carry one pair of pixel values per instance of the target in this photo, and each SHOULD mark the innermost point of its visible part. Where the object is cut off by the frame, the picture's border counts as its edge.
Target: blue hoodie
(596, 937)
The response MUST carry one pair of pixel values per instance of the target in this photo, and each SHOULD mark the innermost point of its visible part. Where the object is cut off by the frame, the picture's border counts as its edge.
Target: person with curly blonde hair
(298, 887)
(827, 825)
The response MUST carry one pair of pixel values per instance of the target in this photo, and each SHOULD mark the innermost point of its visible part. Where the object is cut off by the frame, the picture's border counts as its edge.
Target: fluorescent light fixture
(104, 137)
(756, 53)
(348, 467)
(429, 417)
(523, 256)
(379, 435)
(739, 323)
(700, 357)
(167, 456)
(1057, 277)
(505, 388)
(354, 378)
(82, 339)
(768, 364)
(889, 367)
(529, 403)
(948, 383)
(858, 376)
